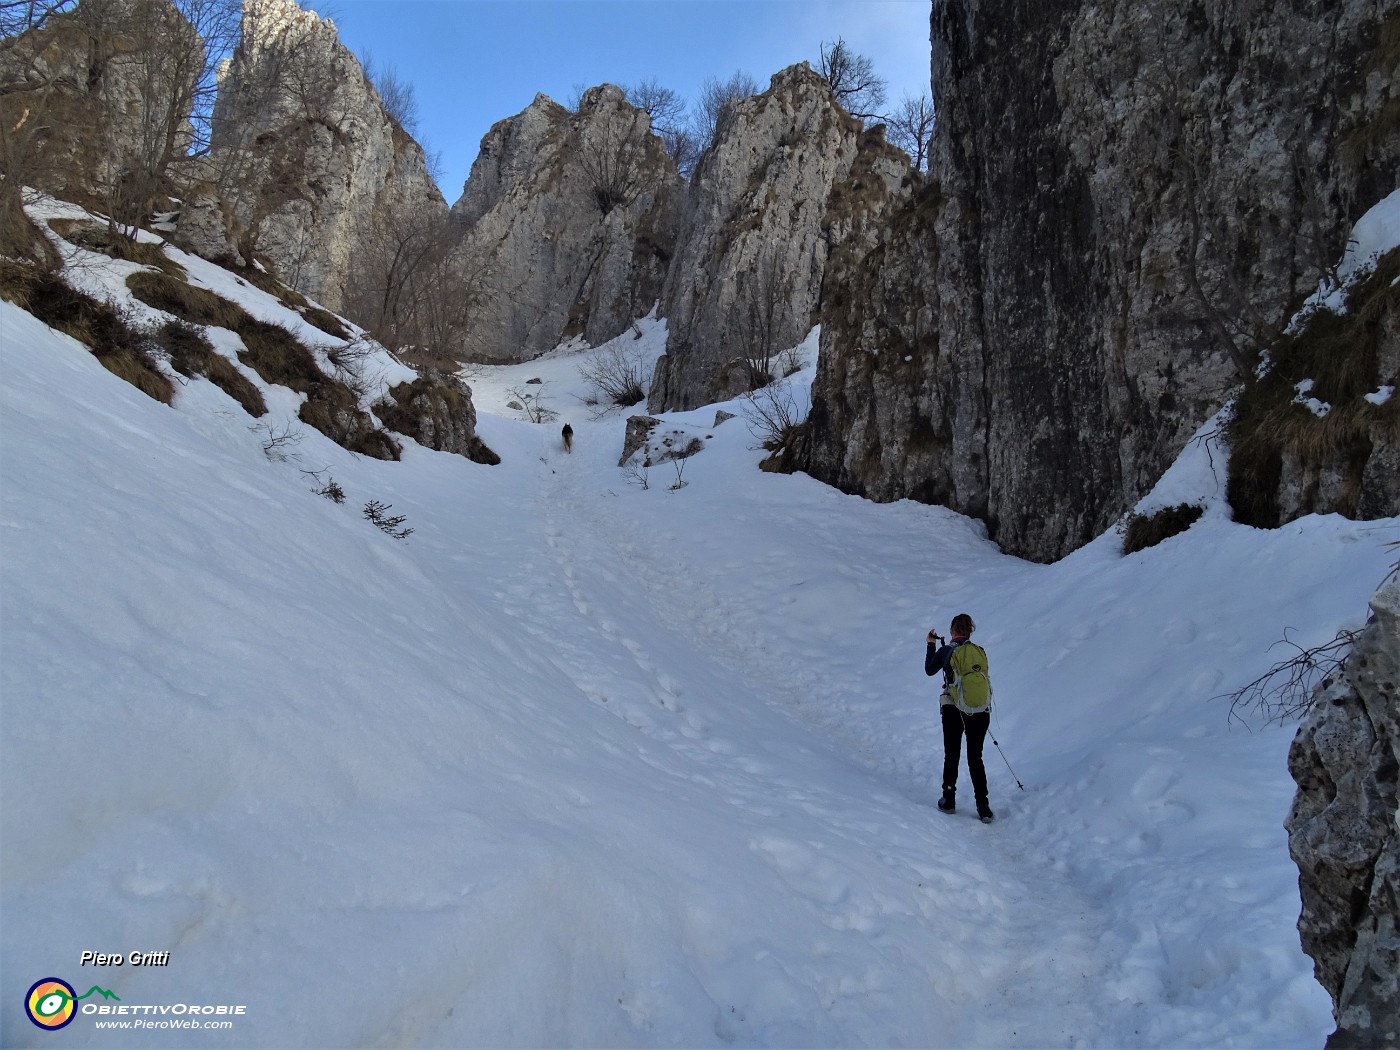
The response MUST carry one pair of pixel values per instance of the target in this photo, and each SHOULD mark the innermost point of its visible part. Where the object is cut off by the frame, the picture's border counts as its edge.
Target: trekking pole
(1008, 764)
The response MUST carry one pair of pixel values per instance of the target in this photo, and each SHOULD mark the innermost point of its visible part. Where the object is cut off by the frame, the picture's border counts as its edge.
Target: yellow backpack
(971, 689)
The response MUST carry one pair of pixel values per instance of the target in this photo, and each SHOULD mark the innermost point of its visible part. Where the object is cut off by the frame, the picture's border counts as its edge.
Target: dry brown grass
(20, 238)
(96, 237)
(270, 350)
(326, 322)
(183, 300)
(192, 354)
(267, 282)
(1143, 531)
(1340, 353)
(121, 347)
(278, 356)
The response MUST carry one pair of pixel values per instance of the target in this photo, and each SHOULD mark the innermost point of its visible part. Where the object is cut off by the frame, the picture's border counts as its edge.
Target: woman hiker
(956, 719)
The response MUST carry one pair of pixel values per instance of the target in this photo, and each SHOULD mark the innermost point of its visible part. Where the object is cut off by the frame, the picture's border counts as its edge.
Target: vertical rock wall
(747, 274)
(1125, 193)
(567, 223)
(1344, 833)
(96, 102)
(307, 160)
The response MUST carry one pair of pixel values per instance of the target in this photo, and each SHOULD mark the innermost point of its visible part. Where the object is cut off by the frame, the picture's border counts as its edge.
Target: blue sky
(474, 62)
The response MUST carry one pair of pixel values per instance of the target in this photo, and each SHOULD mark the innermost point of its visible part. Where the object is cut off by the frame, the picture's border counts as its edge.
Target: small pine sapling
(378, 514)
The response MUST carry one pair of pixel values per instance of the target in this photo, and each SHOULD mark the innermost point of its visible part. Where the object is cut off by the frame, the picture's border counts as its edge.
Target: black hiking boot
(984, 813)
(949, 802)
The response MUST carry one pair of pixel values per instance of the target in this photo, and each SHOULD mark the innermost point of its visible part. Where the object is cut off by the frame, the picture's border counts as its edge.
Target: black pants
(976, 726)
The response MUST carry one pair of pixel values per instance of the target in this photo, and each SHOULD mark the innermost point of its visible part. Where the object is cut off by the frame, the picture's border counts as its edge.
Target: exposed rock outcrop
(1344, 833)
(568, 220)
(637, 434)
(96, 102)
(746, 279)
(311, 166)
(1317, 429)
(1122, 189)
(436, 410)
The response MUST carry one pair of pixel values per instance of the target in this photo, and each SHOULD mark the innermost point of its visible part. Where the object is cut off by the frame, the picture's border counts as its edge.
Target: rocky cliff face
(96, 102)
(567, 223)
(746, 279)
(1344, 833)
(1128, 196)
(306, 160)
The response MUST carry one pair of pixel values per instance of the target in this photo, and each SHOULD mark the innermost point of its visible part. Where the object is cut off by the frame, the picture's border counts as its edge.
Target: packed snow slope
(582, 762)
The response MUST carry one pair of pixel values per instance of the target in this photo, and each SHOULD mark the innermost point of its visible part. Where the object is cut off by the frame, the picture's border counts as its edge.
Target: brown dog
(568, 435)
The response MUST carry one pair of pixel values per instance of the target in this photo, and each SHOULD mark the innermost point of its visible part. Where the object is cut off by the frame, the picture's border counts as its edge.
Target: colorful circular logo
(50, 1003)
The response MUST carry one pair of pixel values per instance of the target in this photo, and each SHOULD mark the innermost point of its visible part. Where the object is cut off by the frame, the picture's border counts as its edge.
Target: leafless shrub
(279, 443)
(329, 487)
(351, 363)
(637, 474)
(533, 405)
(1286, 690)
(790, 361)
(618, 375)
(773, 416)
(680, 481)
(610, 160)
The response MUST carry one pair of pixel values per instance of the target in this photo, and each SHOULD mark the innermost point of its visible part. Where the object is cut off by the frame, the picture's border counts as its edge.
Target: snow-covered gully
(585, 763)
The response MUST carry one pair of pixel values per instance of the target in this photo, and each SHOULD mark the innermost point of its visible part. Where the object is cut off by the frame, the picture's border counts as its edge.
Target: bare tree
(667, 110)
(763, 326)
(28, 89)
(852, 78)
(276, 104)
(411, 290)
(128, 98)
(20, 16)
(664, 106)
(717, 98)
(609, 158)
(399, 96)
(167, 54)
(911, 127)
(684, 147)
